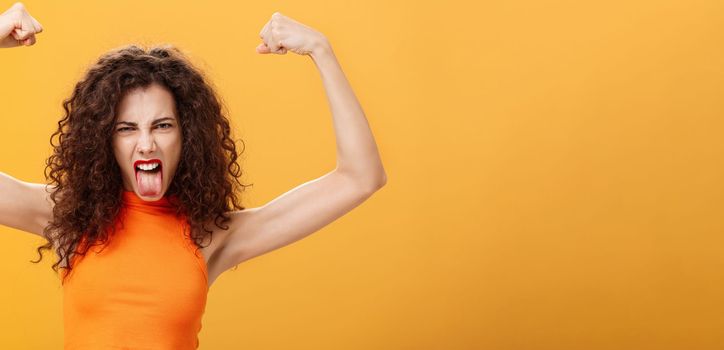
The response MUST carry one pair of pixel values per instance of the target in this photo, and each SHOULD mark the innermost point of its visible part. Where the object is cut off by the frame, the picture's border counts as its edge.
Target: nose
(146, 144)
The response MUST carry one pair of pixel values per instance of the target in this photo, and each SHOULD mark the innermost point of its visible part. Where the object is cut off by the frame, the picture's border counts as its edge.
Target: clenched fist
(282, 33)
(18, 27)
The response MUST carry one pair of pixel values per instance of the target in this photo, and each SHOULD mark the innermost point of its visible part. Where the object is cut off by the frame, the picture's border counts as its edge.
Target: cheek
(121, 153)
(117, 152)
(177, 150)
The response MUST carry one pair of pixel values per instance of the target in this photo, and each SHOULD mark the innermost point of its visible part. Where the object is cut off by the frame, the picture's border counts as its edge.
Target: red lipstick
(146, 161)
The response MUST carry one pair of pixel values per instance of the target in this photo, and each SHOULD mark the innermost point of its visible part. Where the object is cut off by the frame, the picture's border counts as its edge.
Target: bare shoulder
(25, 206)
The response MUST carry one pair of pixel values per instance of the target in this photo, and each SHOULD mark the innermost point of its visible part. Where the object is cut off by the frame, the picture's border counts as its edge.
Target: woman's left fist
(282, 33)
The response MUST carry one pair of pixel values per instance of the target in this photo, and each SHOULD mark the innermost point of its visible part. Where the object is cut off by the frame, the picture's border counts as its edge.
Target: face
(147, 129)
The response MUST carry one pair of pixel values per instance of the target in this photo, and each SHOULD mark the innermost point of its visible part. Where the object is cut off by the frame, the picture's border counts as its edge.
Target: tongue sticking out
(149, 182)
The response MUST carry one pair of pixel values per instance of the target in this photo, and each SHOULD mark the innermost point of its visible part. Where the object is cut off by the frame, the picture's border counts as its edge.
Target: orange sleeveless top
(146, 289)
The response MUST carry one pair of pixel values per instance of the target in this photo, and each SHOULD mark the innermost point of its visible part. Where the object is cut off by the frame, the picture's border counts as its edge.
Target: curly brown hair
(86, 177)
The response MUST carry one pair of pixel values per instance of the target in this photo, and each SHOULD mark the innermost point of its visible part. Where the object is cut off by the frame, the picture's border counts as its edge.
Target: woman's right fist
(18, 27)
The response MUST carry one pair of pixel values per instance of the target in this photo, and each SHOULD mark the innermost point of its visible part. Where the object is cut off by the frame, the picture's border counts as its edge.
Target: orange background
(554, 170)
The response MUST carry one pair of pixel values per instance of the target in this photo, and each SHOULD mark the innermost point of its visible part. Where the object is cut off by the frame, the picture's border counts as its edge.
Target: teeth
(147, 166)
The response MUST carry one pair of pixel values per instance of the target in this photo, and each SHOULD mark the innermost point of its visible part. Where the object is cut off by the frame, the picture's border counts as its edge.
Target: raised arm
(357, 154)
(312, 205)
(23, 206)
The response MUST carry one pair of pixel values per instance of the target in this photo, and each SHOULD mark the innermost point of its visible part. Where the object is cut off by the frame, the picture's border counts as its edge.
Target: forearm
(357, 153)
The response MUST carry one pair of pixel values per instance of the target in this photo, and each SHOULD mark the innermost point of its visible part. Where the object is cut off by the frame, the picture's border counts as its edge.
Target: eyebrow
(153, 123)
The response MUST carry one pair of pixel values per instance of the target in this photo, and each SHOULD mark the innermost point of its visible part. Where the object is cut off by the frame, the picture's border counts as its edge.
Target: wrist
(321, 49)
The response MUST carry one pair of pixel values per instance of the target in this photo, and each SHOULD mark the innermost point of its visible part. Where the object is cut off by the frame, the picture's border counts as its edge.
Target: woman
(145, 169)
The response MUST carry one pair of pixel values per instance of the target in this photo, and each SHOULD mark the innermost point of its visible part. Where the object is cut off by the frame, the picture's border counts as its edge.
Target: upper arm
(291, 216)
(24, 206)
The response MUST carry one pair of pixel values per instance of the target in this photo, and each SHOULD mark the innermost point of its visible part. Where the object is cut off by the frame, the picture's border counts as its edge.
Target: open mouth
(148, 166)
(149, 177)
